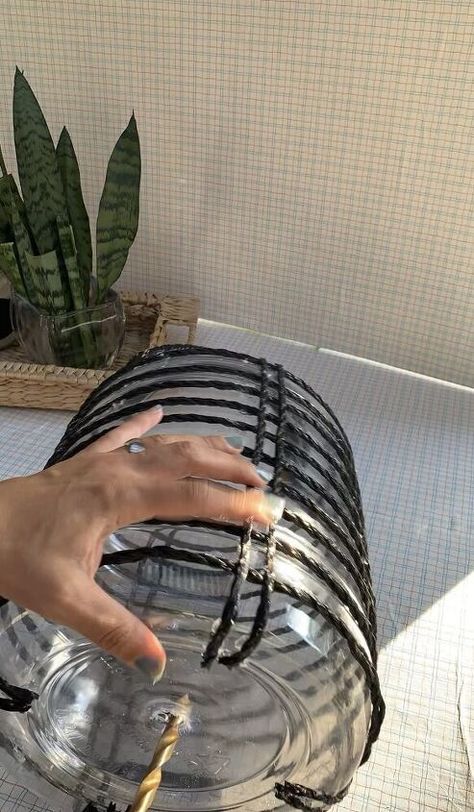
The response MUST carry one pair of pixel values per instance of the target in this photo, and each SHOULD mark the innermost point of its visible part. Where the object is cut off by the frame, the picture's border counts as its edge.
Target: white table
(413, 441)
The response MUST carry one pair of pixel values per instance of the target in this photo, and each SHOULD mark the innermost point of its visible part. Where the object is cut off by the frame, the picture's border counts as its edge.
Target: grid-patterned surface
(307, 165)
(414, 450)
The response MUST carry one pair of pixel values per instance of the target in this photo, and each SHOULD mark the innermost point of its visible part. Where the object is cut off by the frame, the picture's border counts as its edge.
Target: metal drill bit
(164, 750)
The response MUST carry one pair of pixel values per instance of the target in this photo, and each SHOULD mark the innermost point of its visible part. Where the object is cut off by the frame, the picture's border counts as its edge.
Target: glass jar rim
(112, 297)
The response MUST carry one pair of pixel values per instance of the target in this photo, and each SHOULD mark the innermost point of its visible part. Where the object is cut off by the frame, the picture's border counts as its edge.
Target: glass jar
(89, 338)
(288, 702)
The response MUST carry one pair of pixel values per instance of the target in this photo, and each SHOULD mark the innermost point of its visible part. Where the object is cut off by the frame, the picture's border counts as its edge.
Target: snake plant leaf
(83, 340)
(12, 208)
(10, 268)
(6, 197)
(46, 269)
(117, 220)
(9, 195)
(37, 166)
(23, 247)
(68, 250)
(78, 217)
(5, 229)
(17, 199)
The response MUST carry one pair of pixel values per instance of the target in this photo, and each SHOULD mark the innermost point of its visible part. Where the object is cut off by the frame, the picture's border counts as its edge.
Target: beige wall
(308, 166)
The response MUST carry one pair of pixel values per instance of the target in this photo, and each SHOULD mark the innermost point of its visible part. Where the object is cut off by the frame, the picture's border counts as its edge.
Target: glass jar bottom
(97, 723)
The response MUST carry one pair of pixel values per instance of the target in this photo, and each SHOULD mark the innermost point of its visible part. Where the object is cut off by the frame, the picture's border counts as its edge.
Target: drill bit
(164, 750)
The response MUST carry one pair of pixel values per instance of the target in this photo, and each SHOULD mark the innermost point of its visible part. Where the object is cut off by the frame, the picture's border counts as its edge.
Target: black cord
(231, 607)
(263, 609)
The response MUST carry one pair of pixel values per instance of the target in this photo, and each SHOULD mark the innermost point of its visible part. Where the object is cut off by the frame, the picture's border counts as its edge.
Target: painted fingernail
(152, 669)
(235, 441)
(265, 475)
(273, 506)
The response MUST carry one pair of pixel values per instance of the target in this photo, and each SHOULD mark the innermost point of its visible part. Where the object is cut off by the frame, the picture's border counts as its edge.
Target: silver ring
(135, 447)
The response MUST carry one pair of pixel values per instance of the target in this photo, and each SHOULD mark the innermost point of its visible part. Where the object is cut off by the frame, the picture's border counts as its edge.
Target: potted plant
(64, 308)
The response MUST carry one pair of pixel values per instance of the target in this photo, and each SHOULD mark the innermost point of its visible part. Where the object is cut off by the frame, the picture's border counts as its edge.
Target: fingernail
(152, 669)
(157, 408)
(265, 475)
(235, 441)
(273, 506)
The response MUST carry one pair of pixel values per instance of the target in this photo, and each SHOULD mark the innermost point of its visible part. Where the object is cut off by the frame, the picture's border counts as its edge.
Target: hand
(54, 524)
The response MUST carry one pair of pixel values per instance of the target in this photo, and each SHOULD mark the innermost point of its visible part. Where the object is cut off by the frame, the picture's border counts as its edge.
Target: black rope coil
(305, 434)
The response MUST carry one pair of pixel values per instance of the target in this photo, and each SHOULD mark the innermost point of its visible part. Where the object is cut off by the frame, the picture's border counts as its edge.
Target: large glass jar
(287, 703)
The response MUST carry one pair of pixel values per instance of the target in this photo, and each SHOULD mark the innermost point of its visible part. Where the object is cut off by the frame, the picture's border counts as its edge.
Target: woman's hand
(54, 524)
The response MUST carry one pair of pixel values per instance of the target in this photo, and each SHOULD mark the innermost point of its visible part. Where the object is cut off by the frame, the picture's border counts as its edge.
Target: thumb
(113, 628)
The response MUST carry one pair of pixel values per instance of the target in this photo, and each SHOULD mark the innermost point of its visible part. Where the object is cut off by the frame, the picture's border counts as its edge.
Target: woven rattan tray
(49, 387)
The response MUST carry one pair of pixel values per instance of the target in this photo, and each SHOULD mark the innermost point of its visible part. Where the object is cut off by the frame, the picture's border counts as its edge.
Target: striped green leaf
(46, 270)
(37, 166)
(6, 197)
(10, 268)
(5, 229)
(117, 220)
(23, 247)
(17, 199)
(68, 251)
(9, 195)
(13, 209)
(78, 217)
(83, 339)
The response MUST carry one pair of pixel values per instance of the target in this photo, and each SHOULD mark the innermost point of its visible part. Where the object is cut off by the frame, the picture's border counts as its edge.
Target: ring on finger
(135, 446)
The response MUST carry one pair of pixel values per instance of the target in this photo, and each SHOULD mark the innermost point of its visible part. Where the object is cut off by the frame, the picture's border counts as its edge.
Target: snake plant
(45, 237)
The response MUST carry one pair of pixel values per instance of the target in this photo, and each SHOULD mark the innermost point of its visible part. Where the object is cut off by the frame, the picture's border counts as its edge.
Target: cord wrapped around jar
(271, 634)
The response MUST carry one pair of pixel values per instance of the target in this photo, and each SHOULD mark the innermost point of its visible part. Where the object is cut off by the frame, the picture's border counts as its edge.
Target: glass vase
(89, 338)
(270, 634)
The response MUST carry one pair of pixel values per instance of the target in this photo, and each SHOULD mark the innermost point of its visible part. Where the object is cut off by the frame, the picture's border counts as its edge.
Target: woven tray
(37, 386)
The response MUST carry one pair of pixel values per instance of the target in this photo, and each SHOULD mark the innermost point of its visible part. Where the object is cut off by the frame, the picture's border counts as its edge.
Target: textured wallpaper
(308, 166)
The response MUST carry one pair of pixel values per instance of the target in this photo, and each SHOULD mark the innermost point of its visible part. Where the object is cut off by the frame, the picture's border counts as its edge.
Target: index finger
(135, 426)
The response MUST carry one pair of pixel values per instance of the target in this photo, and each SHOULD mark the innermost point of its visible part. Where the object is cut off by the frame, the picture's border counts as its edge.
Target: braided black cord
(320, 424)
(320, 491)
(346, 499)
(360, 553)
(262, 417)
(94, 429)
(309, 527)
(338, 588)
(116, 381)
(355, 546)
(231, 607)
(261, 617)
(293, 794)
